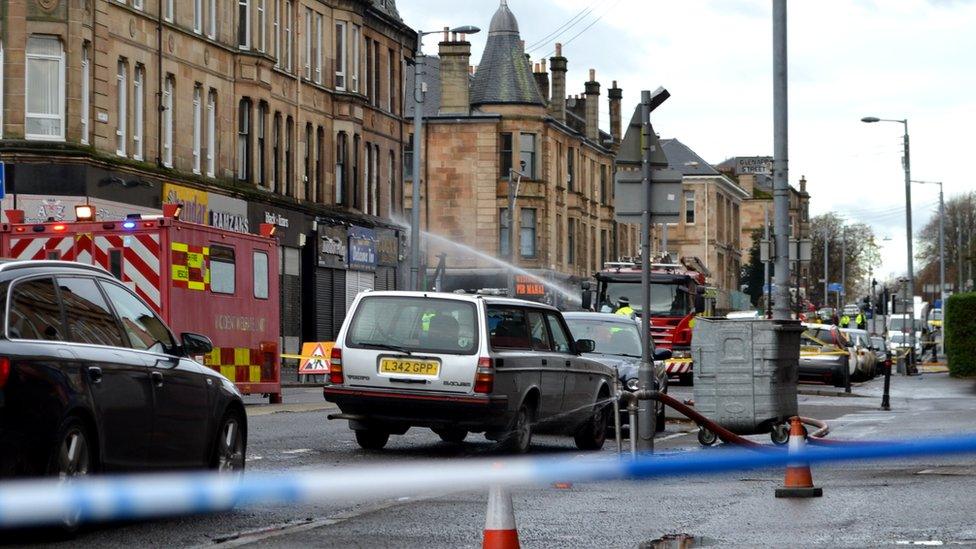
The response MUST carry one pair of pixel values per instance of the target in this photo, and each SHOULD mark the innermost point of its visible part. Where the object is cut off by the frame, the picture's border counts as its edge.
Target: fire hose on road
(630, 399)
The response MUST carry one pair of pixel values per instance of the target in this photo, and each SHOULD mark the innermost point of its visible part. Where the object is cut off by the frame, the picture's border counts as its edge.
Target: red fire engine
(677, 295)
(198, 278)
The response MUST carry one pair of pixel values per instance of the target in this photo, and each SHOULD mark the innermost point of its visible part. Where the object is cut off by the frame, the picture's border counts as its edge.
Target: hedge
(960, 334)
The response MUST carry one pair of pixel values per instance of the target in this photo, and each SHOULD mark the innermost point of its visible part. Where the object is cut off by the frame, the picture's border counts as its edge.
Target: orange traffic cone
(799, 480)
(500, 532)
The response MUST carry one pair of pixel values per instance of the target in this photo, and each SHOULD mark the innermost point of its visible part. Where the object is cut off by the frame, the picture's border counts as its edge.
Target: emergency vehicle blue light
(129, 225)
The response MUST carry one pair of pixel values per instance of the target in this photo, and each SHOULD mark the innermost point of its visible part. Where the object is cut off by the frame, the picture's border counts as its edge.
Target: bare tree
(960, 219)
(863, 255)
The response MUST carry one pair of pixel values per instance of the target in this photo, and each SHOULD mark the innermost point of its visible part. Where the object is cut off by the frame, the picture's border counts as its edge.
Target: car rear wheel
(518, 439)
(453, 435)
(372, 439)
(73, 457)
(593, 434)
(229, 448)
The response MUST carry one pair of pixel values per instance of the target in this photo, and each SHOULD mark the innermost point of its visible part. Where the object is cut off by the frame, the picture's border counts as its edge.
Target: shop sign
(362, 249)
(194, 202)
(40, 208)
(527, 286)
(387, 247)
(227, 213)
(332, 246)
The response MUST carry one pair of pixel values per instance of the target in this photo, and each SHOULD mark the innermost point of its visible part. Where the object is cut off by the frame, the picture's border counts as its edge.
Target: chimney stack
(593, 108)
(557, 64)
(455, 55)
(803, 184)
(542, 79)
(616, 95)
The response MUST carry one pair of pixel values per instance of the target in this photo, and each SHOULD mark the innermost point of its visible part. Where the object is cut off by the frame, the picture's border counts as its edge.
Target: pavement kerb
(819, 392)
(268, 409)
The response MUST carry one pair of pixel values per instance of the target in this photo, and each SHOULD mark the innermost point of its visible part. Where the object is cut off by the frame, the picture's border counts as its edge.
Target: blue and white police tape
(92, 499)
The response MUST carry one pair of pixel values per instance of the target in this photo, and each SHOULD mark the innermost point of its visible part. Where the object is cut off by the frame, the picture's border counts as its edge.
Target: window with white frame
(262, 25)
(527, 232)
(369, 72)
(121, 115)
(390, 81)
(138, 112)
(356, 61)
(198, 16)
(340, 55)
(197, 126)
(318, 47)
(137, 4)
(212, 133)
(244, 24)
(288, 36)
(276, 29)
(85, 90)
(211, 19)
(243, 139)
(44, 88)
(169, 10)
(307, 61)
(275, 153)
(259, 129)
(168, 86)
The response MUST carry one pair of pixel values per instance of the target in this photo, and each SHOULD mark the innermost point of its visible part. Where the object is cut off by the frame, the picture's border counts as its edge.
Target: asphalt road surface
(927, 500)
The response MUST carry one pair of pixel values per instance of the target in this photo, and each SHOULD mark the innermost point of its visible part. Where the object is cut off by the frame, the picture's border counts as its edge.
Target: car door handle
(545, 362)
(157, 378)
(95, 374)
(568, 363)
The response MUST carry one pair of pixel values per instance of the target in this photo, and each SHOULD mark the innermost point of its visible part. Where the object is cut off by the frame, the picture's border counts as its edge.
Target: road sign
(316, 361)
(666, 193)
(835, 287)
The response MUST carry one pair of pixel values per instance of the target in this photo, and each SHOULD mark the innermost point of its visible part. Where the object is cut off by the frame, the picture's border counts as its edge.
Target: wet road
(864, 504)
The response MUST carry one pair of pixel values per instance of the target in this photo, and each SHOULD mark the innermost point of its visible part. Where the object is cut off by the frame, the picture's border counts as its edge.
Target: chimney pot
(559, 49)
(592, 75)
(447, 33)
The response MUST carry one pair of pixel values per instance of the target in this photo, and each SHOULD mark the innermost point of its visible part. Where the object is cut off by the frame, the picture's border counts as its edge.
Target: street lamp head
(467, 29)
(870, 119)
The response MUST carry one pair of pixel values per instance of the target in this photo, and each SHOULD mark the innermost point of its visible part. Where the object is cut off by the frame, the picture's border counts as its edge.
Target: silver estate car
(459, 363)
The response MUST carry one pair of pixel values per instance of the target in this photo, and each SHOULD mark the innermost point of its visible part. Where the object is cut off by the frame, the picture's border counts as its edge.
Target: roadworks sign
(315, 358)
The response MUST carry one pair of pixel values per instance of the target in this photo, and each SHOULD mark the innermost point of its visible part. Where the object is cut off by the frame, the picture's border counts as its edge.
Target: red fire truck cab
(198, 278)
(677, 295)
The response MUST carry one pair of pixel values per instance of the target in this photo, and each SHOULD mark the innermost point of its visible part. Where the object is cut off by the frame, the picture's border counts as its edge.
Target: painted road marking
(297, 451)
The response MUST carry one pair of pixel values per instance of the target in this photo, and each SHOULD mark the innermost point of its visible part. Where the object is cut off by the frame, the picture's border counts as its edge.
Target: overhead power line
(559, 31)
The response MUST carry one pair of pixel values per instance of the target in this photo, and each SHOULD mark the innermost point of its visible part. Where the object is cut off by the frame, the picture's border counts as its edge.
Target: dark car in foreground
(92, 380)
(823, 362)
(618, 345)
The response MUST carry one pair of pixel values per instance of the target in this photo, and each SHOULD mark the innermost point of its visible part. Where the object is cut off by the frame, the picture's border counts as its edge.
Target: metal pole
(826, 302)
(842, 295)
(767, 287)
(911, 258)
(958, 247)
(781, 185)
(664, 239)
(511, 230)
(645, 413)
(942, 257)
(418, 122)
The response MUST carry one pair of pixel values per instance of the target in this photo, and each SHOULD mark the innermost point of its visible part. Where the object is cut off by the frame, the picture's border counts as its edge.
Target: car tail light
(4, 371)
(484, 377)
(335, 367)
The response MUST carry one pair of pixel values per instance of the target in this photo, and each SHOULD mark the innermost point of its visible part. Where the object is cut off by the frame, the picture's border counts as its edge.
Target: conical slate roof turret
(504, 75)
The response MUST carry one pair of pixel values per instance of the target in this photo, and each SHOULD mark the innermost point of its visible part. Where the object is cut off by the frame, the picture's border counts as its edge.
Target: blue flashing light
(129, 225)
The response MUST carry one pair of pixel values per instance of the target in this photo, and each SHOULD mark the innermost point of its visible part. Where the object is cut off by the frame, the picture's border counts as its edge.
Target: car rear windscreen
(414, 324)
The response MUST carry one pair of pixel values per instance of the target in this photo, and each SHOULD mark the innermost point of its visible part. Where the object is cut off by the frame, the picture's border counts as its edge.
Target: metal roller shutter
(357, 281)
(385, 279)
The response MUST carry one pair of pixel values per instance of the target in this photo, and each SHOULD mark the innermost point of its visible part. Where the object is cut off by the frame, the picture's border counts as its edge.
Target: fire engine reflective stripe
(189, 268)
(681, 366)
(239, 364)
(83, 248)
(140, 265)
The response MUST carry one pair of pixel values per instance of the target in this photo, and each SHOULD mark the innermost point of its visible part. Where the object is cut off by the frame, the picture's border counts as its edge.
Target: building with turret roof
(509, 113)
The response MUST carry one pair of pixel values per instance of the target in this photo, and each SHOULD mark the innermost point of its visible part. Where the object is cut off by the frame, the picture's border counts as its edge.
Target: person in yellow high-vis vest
(623, 307)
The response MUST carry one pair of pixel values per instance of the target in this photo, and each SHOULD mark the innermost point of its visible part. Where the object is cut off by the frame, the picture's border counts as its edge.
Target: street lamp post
(907, 164)
(418, 122)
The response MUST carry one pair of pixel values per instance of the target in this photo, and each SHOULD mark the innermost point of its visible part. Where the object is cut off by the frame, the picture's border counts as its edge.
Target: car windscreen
(666, 299)
(414, 324)
(899, 325)
(612, 338)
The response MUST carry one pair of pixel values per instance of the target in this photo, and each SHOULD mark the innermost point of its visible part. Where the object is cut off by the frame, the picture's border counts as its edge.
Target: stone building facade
(288, 111)
(504, 116)
(754, 175)
(710, 222)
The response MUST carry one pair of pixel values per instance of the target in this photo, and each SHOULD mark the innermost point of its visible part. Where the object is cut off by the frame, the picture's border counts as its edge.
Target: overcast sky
(912, 59)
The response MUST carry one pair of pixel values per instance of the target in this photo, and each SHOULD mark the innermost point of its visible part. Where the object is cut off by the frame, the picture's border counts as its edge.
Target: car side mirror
(662, 354)
(196, 344)
(585, 346)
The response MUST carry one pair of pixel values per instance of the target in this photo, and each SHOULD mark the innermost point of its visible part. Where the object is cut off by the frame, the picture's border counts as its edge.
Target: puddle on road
(677, 541)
